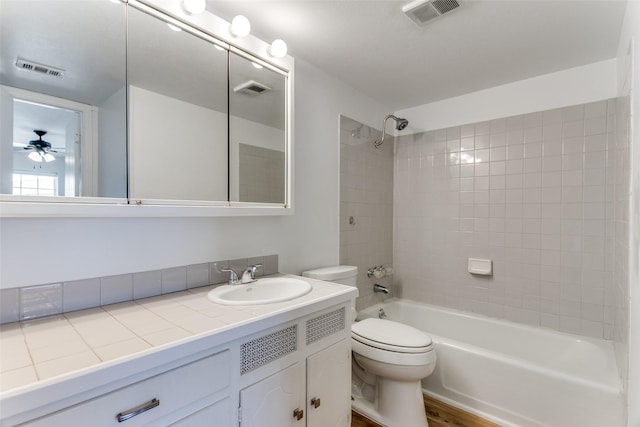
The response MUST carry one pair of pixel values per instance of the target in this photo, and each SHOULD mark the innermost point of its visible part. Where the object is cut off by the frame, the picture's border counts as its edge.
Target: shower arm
(400, 125)
(377, 143)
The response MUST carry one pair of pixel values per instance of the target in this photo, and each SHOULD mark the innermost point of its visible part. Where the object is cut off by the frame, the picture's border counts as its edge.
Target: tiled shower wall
(366, 196)
(619, 195)
(529, 192)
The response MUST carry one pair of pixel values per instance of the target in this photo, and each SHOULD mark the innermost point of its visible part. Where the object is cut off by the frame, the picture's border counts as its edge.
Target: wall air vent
(23, 64)
(251, 87)
(423, 11)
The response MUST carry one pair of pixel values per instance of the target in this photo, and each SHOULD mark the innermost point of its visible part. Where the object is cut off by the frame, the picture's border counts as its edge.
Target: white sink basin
(263, 291)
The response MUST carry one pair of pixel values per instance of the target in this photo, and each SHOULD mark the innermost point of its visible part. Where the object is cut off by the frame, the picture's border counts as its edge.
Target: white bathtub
(513, 374)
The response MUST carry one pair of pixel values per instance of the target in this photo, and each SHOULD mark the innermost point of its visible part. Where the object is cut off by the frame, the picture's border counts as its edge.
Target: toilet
(389, 361)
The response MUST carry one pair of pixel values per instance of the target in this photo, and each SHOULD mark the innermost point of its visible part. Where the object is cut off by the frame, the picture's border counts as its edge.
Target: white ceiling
(374, 47)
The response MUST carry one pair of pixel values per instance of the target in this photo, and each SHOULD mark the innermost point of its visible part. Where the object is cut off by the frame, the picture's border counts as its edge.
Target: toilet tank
(343, 274)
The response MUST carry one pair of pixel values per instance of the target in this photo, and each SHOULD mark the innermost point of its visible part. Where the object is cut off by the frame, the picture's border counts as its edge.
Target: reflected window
(28, 184)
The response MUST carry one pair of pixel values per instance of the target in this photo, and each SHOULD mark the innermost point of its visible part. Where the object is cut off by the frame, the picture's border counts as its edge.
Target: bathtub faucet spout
(381, 289)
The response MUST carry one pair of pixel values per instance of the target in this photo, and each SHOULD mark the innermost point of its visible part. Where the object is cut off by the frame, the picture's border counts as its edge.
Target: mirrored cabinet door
(63, 100)
(257, 132)
(178, 113)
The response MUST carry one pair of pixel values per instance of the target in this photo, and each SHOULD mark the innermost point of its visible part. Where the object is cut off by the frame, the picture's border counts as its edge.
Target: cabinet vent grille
(325, 325)
(265, 349)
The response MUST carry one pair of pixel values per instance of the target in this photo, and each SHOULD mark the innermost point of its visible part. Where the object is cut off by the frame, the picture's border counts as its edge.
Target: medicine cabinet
(113, 104)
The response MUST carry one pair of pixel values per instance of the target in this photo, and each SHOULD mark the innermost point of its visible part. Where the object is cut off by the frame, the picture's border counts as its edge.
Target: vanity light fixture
(194, 7)
(240, 26)
(278, 49)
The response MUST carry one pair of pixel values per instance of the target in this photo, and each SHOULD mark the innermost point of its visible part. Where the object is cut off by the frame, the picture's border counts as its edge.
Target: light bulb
(48, 157)
(240, 26)
(194, 7)
(35, 156)
(278, 49)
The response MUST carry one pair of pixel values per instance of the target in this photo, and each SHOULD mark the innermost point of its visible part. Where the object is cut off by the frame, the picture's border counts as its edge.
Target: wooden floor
(439, 414)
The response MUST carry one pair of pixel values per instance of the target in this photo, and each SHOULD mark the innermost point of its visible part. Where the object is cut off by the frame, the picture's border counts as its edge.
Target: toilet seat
(391, 336)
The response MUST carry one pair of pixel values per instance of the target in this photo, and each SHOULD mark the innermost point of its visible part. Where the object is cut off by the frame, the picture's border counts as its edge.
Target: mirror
(103, 101)
(177, 113)
(63, 102)
(257, 132)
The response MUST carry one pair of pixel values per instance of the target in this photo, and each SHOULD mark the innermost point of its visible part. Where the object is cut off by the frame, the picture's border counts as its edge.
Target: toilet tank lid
(332, 273)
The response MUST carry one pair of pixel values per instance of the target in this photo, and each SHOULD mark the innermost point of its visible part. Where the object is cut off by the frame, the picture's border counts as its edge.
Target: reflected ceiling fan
(40, 149)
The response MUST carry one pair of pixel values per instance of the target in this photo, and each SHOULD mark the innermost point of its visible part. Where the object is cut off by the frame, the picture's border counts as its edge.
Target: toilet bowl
(400, 356)
(389, 361)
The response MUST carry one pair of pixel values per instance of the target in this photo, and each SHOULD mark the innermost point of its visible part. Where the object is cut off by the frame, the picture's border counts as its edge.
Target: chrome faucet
(249, 275)
(381, 289)
(233, 277)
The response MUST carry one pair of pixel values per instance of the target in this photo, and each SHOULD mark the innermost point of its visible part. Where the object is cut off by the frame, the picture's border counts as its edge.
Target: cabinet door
(329, 386)
(273, 401)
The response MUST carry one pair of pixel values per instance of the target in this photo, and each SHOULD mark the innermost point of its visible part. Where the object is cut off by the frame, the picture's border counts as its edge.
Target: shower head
(401, 124)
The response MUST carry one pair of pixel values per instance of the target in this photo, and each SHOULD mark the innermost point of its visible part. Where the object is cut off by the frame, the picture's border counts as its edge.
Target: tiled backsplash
(366, 196)
(529, 192)
(55, 298)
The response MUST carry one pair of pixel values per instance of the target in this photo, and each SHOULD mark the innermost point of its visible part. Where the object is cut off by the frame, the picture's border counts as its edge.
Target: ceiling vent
(423, 11)
(23, 64)
(251, 87)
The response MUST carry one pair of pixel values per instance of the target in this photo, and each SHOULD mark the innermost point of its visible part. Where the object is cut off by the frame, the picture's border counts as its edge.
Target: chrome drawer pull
(124, 416)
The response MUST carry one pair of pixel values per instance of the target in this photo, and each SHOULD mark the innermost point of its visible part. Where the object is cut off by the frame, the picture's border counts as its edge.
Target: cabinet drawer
(174, 390)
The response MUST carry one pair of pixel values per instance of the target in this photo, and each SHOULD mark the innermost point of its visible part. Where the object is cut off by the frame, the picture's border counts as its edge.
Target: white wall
(580, 85)
(112, 154)
(180, 149)
(631, 35)
(244, 131)
(76, 248)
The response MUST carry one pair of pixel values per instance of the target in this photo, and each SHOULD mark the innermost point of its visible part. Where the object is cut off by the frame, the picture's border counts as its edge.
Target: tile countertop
(49, 350)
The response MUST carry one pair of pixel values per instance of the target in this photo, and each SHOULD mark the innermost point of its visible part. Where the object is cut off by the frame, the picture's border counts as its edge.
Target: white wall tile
(81, 294)
(115, 289)
(538, 200)
(39, 301)
(9, 305)
(147, 284)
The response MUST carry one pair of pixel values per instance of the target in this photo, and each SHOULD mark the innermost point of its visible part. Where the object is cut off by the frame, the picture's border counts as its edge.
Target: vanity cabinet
(177, 397)
(283, 373)
(329, 386)
(279, 400)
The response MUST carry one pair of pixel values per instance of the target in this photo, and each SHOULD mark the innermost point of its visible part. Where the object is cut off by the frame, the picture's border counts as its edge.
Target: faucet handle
(254, 267)
(233, 276)
(249, 274)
